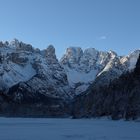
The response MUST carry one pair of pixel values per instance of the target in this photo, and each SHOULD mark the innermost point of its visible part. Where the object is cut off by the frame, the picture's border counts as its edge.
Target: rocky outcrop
(72, 56)
(50, 55)
(20, 46)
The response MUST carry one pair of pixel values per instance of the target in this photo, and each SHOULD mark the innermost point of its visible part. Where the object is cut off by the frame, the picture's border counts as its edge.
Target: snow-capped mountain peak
(20, 62)
(83, 67)
(77, 69)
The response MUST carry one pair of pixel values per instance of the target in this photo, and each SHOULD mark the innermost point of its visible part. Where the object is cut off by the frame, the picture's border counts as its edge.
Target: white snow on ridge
(83, 67)
(19, 62)
(68, 129)
(17, 74)
(82, 77)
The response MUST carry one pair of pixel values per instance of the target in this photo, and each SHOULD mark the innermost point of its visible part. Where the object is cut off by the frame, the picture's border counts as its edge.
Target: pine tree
(137, 68)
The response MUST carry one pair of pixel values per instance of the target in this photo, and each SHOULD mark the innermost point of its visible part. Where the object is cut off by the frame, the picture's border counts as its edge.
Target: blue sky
(101, 24)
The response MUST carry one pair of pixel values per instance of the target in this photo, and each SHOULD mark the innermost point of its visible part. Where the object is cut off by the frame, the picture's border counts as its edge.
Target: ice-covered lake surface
(68, 129)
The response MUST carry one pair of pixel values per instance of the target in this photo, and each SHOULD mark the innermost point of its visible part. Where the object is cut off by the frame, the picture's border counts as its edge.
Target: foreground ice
(68, 129)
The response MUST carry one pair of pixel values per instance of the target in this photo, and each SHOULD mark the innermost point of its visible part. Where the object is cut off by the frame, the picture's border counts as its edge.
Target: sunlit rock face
(84, 67)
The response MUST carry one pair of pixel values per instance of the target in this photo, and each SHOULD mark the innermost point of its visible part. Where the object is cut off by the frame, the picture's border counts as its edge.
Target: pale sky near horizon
(101, 24)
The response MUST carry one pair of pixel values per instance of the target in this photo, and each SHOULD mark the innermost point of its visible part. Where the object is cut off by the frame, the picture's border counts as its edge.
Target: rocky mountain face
(119, 99)
(40, 70)
(85, 67)
(30, 76)
(33, 82)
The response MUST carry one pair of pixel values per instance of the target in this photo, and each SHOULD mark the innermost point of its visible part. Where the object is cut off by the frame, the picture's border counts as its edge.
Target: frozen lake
(67, 129)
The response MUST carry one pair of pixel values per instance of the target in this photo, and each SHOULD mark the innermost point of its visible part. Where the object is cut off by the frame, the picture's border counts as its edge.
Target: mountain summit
(35, 78)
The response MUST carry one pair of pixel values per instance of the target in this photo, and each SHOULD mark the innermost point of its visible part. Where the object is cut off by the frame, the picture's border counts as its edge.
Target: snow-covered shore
(68, 129)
